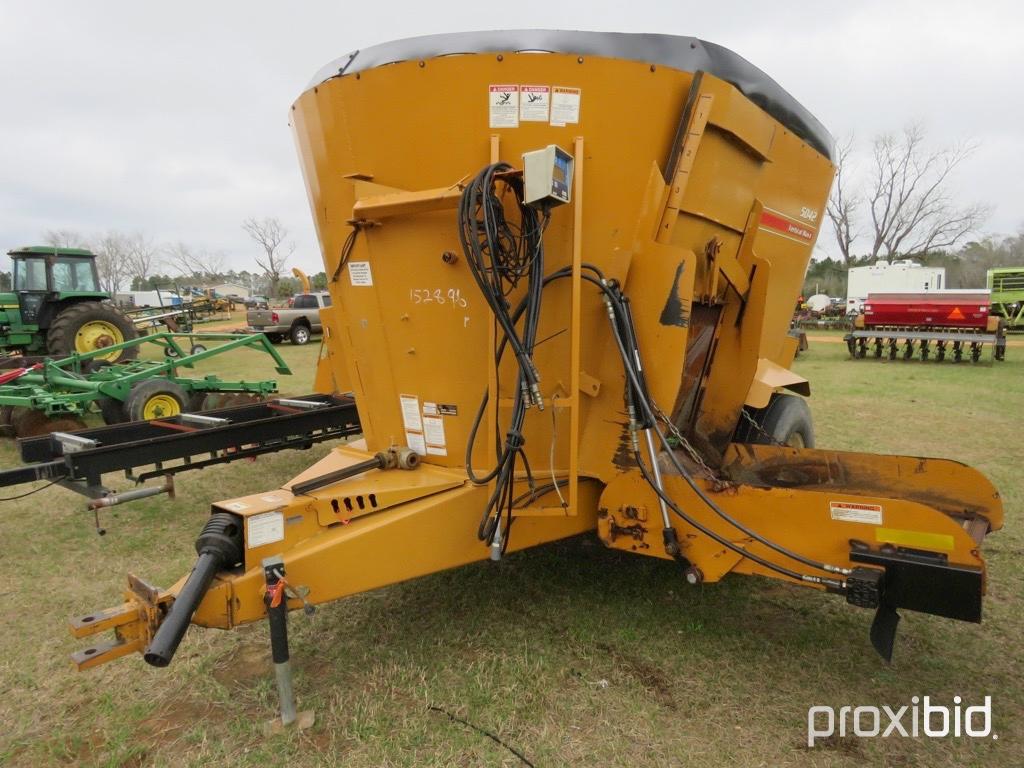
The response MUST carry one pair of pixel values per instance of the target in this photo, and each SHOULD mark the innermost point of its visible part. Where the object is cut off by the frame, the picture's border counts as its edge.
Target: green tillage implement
(1006, 285)
(140, 389)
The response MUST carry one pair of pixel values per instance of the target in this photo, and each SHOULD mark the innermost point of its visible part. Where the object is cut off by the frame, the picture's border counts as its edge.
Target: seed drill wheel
(28, 422)
(155, 399)
(88, 326)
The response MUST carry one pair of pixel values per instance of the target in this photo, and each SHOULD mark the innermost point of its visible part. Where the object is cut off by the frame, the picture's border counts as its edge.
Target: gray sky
(171, 118)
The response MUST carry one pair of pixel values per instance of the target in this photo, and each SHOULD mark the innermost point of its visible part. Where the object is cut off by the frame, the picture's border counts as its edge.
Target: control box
(548, 176)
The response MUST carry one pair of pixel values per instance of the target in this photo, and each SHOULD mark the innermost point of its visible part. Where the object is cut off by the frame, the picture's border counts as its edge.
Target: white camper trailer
(902, 276)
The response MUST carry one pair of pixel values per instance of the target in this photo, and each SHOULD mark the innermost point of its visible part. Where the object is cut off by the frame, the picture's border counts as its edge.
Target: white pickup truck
(298, 322)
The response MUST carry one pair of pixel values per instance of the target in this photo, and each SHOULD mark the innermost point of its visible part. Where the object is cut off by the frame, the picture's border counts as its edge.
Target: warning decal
(853, 512)
(359, 273)
(264, 529)
(534, 101)
(410, 412)
(433, 431)
(565, 105)
(785, 226)
(956, 314)
(415, 441)
(503, 101)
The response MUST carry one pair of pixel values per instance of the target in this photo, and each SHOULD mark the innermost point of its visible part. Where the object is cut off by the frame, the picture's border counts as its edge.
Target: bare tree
(270, 235)
(142, 257)
(65, 238)
(911, 208)
(112, 260)
(843, 203)
(194, 262)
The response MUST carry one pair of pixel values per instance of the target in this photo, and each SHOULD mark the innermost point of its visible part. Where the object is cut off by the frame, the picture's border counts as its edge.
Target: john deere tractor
(57, 306)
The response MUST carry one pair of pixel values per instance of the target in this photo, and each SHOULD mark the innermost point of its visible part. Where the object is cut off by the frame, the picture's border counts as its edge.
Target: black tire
(786, 418)
(6, 426)
(195, 349)
(196, 402)
(145, 392)
(299, 334)
(112, 410)
(275, 338)
(61, 336)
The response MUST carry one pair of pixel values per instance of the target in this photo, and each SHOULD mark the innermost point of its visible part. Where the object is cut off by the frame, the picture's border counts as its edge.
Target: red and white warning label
(503, 101)
(565, 105)
(854, 512)
(534, 102)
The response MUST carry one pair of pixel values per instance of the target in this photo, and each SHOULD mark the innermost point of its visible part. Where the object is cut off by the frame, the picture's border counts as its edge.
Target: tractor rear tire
(90, 325)
(155, 399)
(786, 420)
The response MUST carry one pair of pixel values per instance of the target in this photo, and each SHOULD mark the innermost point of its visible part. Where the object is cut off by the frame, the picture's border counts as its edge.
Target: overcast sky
(171, 118)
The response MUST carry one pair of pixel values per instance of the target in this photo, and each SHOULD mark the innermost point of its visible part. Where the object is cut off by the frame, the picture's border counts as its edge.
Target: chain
(760, 430)
(685, 445)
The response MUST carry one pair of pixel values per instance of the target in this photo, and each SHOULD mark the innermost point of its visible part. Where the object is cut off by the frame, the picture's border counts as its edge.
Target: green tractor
(57, 307)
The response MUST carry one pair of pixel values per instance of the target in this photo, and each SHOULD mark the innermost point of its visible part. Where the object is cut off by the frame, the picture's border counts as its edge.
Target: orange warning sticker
(855, 512)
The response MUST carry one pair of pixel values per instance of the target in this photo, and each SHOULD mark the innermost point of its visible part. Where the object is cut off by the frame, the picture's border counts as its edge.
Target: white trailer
(901, 276)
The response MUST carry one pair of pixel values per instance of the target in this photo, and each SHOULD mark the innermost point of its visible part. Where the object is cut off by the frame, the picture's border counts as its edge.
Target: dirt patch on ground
(643, 672)
(247, 662)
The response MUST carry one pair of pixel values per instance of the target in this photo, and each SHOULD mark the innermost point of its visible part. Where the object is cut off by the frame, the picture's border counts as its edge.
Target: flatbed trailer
(144, 450)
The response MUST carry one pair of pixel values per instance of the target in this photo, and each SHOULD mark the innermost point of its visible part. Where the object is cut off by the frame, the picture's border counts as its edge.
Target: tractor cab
(43, 275)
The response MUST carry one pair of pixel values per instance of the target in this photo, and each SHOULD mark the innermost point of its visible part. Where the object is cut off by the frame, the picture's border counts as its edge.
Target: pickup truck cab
(298, 322)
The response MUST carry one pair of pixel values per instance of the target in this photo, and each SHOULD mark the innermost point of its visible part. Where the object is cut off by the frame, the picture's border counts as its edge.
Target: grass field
(574, 654)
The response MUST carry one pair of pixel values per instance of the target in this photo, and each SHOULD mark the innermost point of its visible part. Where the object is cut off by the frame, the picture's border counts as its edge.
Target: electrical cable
(346, 252)
(34, 490)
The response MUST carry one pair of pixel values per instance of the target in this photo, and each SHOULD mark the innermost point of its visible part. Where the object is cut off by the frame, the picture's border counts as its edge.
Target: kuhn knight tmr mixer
(563, 266)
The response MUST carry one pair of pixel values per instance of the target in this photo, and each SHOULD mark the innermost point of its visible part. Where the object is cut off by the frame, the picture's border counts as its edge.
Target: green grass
(575, 654)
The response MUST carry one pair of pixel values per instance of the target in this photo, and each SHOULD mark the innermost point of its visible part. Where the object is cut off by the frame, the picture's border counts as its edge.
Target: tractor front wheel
(155, 399)
(88, 326)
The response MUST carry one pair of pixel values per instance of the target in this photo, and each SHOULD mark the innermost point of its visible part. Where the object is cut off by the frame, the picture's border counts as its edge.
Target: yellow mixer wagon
(563, 266)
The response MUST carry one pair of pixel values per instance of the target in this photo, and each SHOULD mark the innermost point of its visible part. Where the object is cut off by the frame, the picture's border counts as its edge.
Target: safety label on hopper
(359, 273)
(565, 105)
(504, 106)
(411, 412)
(852, 512)
(534, 101)
(415, 441)
(265, 528)
(433, 432)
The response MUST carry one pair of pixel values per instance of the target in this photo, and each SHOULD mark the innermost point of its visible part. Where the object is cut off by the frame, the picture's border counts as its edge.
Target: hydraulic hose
(219, 546)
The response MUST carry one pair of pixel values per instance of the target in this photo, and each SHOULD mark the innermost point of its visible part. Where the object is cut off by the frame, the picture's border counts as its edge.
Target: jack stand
(277, 613)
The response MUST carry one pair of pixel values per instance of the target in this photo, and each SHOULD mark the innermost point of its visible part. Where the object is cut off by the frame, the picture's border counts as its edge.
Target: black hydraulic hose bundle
(500, 256)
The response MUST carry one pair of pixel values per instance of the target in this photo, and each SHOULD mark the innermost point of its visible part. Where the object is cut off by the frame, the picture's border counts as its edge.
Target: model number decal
(808, 213)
